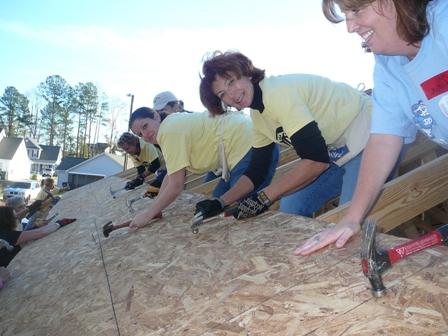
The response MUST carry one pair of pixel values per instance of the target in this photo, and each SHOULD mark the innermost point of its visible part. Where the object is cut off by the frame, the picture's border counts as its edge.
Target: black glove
(252, 206)
(210, 207)
(134, 183)
(36, 205)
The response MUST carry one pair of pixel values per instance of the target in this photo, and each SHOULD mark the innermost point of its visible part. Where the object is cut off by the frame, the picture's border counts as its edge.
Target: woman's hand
(140, 220)
(143, 219)
(338, 234)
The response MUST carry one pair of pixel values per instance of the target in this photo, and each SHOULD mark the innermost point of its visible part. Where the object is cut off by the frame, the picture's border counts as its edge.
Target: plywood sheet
(233, 278)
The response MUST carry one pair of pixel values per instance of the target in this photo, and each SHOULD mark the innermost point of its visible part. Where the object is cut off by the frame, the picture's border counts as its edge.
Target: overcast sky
(144, 47)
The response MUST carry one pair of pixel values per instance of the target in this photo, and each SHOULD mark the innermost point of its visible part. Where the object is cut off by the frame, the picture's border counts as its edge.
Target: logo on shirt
(281, 136)
(423, 119)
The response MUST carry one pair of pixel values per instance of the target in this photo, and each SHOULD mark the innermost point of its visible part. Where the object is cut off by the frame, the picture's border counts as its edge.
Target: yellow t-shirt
(191, 140)
(148, 153)
(43, 195)
(293, 101)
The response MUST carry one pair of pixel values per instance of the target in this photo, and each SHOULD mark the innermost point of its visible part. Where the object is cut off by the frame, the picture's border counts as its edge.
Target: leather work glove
(65, 221)
(33, 207)
(152, 192)
(252, 206)
(134, 183)
(210, 207)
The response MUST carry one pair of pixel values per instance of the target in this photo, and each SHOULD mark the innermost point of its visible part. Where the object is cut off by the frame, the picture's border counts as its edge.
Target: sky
(143, 47)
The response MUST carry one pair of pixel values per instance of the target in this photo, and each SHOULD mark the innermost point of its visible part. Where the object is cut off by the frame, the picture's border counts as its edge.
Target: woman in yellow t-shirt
(325, 122)
(199, 143)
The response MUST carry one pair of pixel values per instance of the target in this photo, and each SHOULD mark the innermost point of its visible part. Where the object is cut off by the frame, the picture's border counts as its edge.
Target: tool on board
(375, 263)
(109, 227)
(198, 218)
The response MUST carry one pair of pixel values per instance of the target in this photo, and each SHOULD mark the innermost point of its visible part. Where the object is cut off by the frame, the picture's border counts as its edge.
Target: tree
(86, 96)
(15, 114)
(57, 93)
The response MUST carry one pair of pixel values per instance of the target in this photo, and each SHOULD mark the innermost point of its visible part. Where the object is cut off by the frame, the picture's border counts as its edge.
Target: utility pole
(129, 128)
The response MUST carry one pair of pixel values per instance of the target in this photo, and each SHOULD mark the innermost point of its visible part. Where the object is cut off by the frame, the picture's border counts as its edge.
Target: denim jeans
(239, 170)
(210, 176)
(335, 181)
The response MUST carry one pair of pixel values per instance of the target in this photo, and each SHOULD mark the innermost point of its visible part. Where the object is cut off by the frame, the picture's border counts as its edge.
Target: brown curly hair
(223, 65)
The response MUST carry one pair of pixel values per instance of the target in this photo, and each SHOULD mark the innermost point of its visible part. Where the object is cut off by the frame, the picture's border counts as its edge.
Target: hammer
(109, 227)
(374, 263)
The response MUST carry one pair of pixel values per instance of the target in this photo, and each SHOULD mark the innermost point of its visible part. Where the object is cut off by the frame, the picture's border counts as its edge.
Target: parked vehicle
(28, 190)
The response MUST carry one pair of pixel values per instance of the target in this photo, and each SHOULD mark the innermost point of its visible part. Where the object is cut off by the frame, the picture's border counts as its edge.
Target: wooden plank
(406, 196)
(233, 278)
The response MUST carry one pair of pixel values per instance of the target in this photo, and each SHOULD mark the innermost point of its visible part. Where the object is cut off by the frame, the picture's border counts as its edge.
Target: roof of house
(31, 143)
(231, 278)
(49, 153)
(119, 159)
(69, 162)
(8, 147)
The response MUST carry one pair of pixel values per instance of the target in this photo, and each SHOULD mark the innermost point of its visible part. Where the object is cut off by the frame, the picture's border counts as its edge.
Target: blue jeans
(335, 181)
(210, 176)
(239, 170)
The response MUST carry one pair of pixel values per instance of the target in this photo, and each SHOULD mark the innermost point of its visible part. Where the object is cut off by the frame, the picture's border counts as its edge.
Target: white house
(44, 158)
(96, 168)
(14, 161)
(62, 170)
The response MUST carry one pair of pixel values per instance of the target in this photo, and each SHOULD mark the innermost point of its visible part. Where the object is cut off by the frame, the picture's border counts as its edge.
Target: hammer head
(107, 229)
(373, 263)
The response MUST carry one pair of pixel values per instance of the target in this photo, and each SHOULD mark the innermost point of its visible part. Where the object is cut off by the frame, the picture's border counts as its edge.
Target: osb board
(233, 278)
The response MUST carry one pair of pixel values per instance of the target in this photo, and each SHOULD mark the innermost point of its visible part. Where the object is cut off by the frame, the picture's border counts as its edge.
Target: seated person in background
(167, 103)
(24, 214)
(11, 239)
(29, 216)
(146, 157)
(48, 190)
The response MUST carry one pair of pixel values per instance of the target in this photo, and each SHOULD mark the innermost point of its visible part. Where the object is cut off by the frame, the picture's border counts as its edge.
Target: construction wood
(232, 278)
(406, 196)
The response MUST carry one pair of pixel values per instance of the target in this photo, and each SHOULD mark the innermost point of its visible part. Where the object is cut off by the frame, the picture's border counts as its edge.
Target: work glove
(65, 221)
(252, 206)
(33, 207)
(152, 192)
(134, 183)
(210, 207)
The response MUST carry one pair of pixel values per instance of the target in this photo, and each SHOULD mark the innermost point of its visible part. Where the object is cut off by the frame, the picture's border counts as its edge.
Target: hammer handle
(433, 238)
(122, 225)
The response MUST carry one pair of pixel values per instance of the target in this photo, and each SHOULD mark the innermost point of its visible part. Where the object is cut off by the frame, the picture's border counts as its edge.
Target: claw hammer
(374, 263)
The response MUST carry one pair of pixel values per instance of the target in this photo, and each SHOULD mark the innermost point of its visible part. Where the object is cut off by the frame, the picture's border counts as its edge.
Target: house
(44, 158)
(62, 169)
(14, 161)
(96, 168)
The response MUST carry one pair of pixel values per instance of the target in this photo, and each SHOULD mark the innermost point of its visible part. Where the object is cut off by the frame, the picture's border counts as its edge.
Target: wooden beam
(406, 196)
